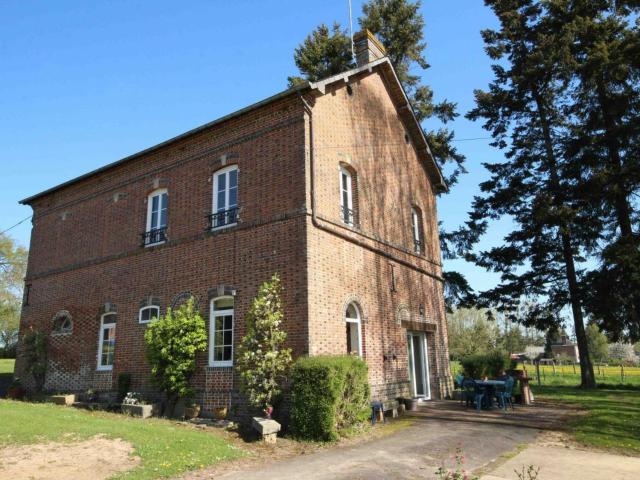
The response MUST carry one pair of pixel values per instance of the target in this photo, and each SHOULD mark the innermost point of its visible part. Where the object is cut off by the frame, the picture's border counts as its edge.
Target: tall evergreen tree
(522, 110)
(601, 71)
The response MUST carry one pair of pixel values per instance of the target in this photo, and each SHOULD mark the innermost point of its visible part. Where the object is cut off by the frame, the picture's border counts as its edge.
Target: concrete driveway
(414, 452)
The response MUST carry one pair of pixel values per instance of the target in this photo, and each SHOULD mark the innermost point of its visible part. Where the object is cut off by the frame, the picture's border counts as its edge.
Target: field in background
(6, 366)
(570, 374)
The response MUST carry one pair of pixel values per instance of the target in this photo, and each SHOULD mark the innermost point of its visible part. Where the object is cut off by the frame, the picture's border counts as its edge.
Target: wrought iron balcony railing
(417, 245)
(223, 218)
(153, 236)
(348, 216)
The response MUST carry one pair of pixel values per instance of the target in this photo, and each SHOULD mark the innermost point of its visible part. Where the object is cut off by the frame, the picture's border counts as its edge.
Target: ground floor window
(221, 332)
(148, 314)
(354, 336)
(107, 344)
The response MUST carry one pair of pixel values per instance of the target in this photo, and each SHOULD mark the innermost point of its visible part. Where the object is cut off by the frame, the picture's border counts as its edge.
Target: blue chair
(458, 384)
(504, 394)
(473, 393)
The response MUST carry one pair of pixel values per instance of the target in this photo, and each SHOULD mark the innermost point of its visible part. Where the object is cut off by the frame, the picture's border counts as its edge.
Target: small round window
(62, 323)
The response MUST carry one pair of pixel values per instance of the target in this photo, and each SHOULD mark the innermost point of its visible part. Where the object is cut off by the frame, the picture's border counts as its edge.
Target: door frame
(425, 364)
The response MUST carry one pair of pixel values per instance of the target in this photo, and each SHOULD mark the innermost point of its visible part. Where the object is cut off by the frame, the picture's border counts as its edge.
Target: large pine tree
(533, 187)
(600, 67)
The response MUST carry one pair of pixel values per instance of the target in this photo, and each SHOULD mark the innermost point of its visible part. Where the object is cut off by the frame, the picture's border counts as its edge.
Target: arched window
(347, 204)
(353, 321)
(225, 198)
(416, 226)
(157, 209)
(62, 323)
(221, 332)
(107, 343)
(149, 313)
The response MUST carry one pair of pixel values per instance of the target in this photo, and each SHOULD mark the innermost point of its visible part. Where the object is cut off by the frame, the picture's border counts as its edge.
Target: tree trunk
(586, 367)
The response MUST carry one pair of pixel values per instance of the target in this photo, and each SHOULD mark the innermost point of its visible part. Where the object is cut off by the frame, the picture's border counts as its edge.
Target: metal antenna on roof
(353, 51)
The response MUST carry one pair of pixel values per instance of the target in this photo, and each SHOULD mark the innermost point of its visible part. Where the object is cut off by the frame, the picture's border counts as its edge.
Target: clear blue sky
(85, 83)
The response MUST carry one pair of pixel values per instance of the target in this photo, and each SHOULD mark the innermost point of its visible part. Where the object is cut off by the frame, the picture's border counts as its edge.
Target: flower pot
(411, 404)
(191, 412)
(15, 393)
(220, 413)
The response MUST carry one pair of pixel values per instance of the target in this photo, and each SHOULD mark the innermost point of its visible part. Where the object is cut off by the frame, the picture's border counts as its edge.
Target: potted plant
(191, 409)
(16, 390)
(220, 413)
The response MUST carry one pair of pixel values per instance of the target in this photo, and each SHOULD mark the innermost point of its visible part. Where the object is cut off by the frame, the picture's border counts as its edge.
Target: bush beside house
(329, 394)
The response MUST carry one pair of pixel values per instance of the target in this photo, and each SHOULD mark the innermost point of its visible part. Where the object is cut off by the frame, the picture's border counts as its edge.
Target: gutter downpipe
(317, 224)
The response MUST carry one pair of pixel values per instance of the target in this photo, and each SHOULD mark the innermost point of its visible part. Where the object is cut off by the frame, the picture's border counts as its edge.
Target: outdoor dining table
(489, 387)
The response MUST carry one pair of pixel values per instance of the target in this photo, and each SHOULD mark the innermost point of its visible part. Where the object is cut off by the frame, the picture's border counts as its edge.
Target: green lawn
(613, 415)
(166, 449)
(6, 365)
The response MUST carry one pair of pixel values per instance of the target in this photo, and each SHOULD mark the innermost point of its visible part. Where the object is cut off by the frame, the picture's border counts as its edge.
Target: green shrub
(490, 364)
(328, 395)
(34, 345)
(124, 385)
(262, 360)
(172, 343)
(474, 366)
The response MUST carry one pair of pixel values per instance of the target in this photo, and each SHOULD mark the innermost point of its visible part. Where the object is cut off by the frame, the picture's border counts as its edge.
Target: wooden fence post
(574, 368)
(538, 372)
(622, 373)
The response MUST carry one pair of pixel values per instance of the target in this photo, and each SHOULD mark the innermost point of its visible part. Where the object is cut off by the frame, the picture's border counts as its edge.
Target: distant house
(330, 183)
(566, 348)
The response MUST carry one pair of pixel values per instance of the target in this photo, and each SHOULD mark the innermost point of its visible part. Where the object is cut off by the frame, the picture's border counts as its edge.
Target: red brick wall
(93, 255)
(363, 130)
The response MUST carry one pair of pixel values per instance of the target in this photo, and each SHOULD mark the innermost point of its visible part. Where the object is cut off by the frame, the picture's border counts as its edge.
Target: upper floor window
(354, 335)
(347, 212)
(221, 332)
(107, 342)
(416, 226)
(225, 198)
(148, 314)
(157, 206)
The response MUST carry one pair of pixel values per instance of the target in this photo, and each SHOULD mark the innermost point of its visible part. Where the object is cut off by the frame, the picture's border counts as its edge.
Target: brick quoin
(85, 250)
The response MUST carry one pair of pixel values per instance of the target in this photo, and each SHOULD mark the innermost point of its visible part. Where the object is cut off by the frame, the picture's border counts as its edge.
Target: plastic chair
(458, 383)
(474, 393)
(504, 394)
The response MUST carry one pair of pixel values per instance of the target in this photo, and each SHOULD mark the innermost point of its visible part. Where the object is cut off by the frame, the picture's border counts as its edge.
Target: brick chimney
(368, 48)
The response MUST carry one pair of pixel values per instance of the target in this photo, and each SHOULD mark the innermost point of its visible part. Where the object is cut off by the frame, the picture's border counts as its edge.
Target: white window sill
(220, 364)
(104, 368)
(223, 227)
(154, 244)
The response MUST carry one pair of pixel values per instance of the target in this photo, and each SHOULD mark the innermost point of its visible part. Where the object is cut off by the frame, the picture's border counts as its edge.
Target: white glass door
(418, 364)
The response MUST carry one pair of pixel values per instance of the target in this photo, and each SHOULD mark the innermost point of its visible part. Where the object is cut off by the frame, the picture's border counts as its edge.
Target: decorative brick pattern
(90, 262)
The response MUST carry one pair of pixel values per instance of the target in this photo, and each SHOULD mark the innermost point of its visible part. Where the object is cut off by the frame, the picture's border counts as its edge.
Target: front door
(418, 365)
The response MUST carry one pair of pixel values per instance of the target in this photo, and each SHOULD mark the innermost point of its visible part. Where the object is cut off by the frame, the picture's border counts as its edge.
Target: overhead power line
(14, 226)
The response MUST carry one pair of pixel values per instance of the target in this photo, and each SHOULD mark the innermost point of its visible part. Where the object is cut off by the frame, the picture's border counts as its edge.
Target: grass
(6, 366)
(165, 448)
(612, 419)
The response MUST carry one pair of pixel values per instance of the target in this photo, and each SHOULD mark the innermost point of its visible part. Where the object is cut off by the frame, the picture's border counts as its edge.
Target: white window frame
(416, 226)
(349, 191)
(103, 326)
(357, 321)
(214, 205)
(156, 193)
(148, 307)
(213, 314)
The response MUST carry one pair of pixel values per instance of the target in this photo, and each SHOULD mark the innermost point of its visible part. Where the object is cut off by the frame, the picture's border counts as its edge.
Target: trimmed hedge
(328, 395)
(489, 364)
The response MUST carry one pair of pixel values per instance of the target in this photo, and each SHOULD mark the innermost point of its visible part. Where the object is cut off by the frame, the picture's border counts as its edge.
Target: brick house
(330, 183)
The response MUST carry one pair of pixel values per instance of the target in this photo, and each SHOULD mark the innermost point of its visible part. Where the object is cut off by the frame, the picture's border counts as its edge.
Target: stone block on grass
(62, 399)
(267, 428)
(142, 411)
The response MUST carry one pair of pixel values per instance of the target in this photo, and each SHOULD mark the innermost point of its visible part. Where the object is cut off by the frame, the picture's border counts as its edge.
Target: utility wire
(14, 226)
